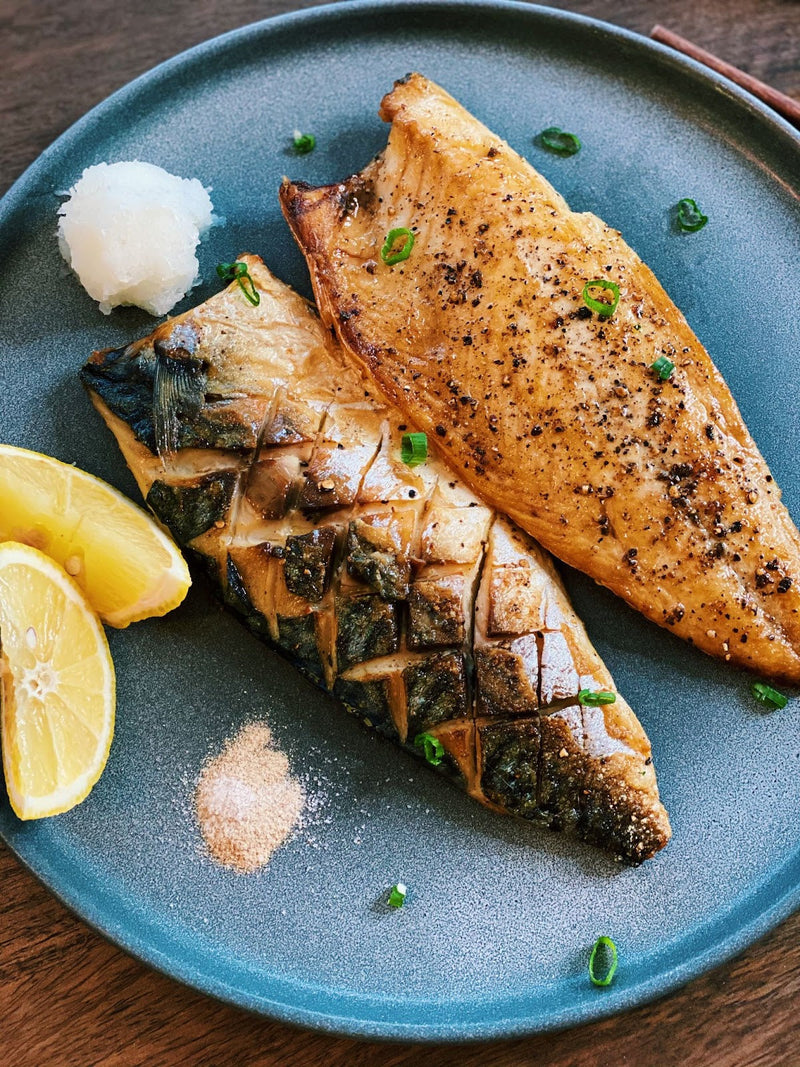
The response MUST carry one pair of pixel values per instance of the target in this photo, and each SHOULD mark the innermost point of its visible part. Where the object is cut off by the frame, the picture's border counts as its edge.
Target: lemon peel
(128, 567)
(57, 685)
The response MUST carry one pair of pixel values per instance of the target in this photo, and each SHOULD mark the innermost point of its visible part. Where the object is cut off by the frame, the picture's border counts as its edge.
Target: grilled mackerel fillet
(547, 411)
(394, 588)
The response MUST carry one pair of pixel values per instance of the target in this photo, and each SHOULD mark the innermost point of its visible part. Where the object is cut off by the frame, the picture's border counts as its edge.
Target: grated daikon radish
(130, 230)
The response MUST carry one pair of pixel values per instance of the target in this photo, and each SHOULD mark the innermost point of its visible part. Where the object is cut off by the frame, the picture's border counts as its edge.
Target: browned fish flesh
(551, 412)
(432, 617)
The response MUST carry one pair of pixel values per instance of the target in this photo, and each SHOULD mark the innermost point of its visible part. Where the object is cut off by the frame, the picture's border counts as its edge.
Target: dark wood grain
(70, 999)
(780, 102)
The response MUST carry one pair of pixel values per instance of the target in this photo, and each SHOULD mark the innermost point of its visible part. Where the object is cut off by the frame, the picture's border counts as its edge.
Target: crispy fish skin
(393, 588)
(550, 413)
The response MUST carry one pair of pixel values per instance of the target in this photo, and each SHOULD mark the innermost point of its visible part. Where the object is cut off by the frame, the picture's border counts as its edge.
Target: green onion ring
(397, 895)
(689, 216)
(554, 139)
(414, 449)
(769, 696)
(303, 142)
(663, 367)
(387, 255)
(591, 698)
(600, 306)
(434, 750)
(238, 271)
(600, 944)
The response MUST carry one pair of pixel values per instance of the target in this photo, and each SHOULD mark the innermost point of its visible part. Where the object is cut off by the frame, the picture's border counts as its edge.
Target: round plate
(500, 916)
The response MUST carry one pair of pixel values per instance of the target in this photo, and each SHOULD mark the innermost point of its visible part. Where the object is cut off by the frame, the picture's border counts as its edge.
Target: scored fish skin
(394, 588)
(549, 412)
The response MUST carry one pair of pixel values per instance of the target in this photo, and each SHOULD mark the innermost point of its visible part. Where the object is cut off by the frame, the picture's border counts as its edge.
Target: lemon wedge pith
(127, 566)
(57, 687)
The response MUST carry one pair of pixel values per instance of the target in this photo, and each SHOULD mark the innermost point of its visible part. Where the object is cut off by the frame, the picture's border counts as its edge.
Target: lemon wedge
(56, 685)
(127, 566)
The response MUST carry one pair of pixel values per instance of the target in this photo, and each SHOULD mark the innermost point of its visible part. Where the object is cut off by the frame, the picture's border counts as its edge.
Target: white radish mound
(130, 230)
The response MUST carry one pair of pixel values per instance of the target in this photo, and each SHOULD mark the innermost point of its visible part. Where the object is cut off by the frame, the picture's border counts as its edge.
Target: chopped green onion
(663, 367)
(769, 696)
(303, 142)
(594, 698)
(602, 307)
(690, 217)
(559, 141)
(230, 271)
(607, 950)
(397, 895)
(414, 448)
(434, 750)
(392, 237)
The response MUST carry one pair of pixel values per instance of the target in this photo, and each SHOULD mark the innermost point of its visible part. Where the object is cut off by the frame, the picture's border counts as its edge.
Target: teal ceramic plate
(495, 935)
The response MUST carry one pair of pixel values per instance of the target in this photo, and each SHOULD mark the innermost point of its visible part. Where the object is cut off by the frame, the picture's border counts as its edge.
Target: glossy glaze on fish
(394, 588)
(550, 412)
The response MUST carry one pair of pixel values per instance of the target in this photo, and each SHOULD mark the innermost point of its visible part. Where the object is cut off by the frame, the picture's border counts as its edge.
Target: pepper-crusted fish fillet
(395, 588)
(552, 413)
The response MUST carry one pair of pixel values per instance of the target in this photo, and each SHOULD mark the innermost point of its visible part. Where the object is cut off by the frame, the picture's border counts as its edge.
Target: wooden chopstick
(780, 102)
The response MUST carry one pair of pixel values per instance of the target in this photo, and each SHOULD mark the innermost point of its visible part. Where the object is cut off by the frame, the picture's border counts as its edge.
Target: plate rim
(610, 1002)
(129, 936)
(669, 56)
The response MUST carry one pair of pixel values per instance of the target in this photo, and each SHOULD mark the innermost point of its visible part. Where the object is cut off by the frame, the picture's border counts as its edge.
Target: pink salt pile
(246, 801)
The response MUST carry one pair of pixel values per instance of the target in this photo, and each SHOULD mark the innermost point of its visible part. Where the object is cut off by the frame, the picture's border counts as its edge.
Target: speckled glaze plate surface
(494, 938)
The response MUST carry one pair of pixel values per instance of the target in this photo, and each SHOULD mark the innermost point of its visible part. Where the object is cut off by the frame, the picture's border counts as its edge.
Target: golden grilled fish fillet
(393, 587)
(549, 412)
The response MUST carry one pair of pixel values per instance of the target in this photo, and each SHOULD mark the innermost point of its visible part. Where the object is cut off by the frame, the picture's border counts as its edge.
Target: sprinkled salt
(246, 802)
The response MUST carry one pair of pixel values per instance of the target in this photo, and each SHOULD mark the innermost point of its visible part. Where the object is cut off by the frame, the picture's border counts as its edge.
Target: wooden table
(67, 997)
